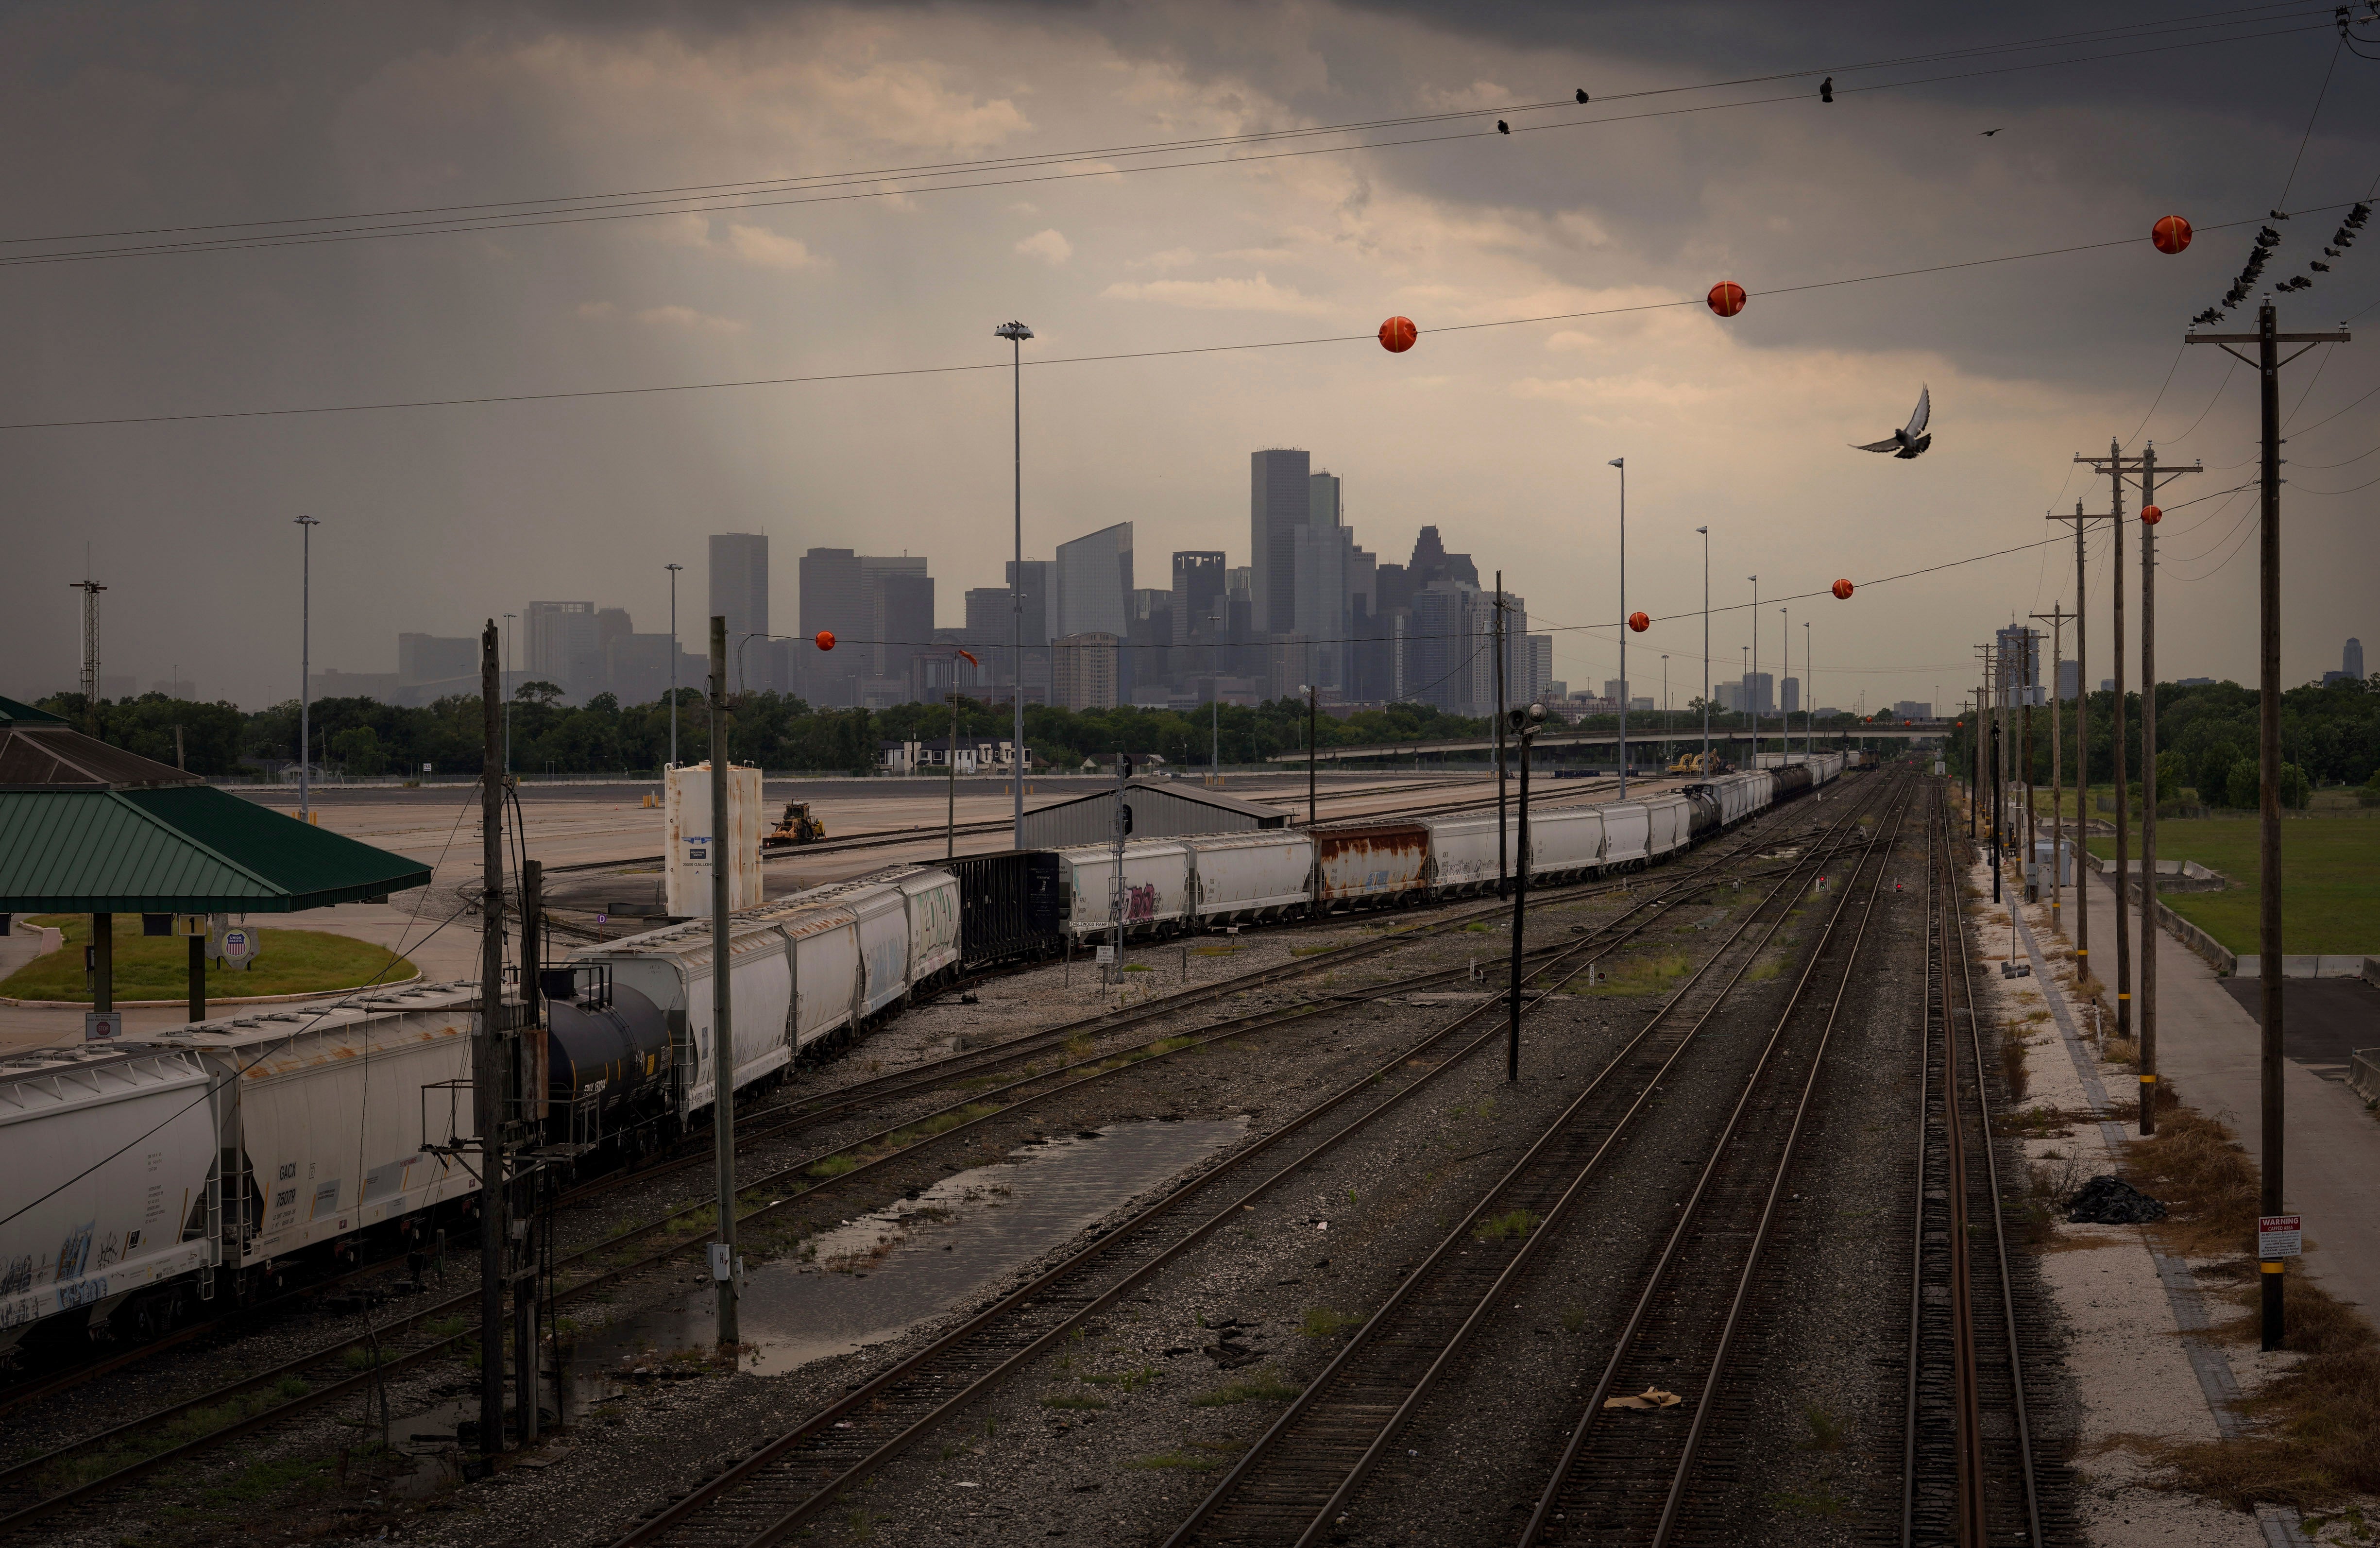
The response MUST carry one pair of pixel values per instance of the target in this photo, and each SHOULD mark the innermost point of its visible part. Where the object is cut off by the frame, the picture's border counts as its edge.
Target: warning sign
(2278, 1235)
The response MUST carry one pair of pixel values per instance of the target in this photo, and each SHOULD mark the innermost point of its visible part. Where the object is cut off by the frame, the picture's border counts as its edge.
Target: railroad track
(1618, 1480)
(330, 1372)
(1298, 1480)
(1967, 1470)
(772, 1492)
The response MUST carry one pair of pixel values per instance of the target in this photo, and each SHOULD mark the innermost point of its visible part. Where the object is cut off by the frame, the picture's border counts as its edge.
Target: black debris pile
(2109, 1199)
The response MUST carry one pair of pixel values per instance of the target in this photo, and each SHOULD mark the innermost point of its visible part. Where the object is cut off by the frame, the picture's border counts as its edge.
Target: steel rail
(1691, 1216)
(860, 1411)
(1097, 1066)
(1341, 1409)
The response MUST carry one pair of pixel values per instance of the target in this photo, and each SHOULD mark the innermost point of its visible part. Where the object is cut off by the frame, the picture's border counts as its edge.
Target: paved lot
(2322, 1020)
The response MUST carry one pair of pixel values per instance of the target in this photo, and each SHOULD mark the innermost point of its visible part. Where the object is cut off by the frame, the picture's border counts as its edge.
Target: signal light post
(2267, 361)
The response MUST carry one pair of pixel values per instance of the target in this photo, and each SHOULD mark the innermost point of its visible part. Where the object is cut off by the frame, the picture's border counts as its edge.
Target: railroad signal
(1843, 590)
(1397, 334)
(1726, 297)
(1640, 622)
(826, 639)
(2170, 234)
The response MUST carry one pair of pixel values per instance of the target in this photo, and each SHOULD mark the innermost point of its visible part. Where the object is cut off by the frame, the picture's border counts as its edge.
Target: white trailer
(1252, 876)
(690, 849)
(109, 1153)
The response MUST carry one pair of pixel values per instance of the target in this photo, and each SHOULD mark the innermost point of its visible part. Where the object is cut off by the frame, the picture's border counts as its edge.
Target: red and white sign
(2279, 1236)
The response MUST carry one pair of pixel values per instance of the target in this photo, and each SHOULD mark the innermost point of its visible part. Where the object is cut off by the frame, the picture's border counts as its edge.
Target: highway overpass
(1730, 743)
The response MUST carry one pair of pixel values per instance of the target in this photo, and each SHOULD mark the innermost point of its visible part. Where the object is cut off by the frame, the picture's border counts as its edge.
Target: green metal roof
(181, 849)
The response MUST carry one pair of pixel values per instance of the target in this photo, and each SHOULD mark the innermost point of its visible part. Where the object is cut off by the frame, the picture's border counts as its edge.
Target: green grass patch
(835, 1166)
(1124, 1381)
(1262, 1387)
(260, 1482)
(1821, 1501)
(2330, 881)
(941, 1123)
(1215, 951)
(1650, 974)
(1135, 967)
(1512, 1226)
(1074, 1400)
(158, 966)
(1310, 951)
(1321, 1322)
(363, 1356)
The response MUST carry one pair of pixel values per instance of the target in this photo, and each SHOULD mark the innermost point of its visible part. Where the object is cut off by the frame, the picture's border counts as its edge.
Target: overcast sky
(128, 118)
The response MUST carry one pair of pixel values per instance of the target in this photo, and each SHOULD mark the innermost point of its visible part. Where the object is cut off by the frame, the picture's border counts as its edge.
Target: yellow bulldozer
(798, 825)
(1692, 763)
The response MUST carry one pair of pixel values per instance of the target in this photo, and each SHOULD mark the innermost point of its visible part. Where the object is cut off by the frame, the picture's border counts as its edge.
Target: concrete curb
(213, 1000)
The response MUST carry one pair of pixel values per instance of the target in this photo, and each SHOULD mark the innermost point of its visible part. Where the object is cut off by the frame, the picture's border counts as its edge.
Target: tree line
(2206, 740)
(365, 739)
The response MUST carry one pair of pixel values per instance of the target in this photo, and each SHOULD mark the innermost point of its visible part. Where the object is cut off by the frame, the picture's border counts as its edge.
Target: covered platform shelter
(87, 828)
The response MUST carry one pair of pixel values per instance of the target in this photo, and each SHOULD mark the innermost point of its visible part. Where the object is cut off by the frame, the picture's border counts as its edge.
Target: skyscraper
(1094, 583)
(563, 646)
(739, 592)
(1197, 597)
(1281, 500)
(2018, 664)
(2350, 661)
(835, 602)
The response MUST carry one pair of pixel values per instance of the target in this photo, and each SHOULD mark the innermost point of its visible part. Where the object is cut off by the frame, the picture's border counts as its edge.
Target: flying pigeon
(1907, 444)
(1503, 127)
(1988, 133)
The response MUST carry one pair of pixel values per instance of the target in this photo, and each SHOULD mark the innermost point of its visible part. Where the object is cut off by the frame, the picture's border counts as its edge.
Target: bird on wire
(1909, 443)
(1503, 127)
(1826, 89)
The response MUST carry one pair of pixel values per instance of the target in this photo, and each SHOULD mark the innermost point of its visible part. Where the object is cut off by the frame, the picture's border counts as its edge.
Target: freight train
(214, 1158)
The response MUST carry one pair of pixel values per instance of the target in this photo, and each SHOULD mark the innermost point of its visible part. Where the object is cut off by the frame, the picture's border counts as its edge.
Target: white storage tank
(108, 1152)
(1253, 876)
(689, 847)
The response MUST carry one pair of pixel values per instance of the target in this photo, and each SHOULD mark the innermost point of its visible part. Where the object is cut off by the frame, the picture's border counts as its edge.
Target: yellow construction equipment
(1692, 763)
(797, 826)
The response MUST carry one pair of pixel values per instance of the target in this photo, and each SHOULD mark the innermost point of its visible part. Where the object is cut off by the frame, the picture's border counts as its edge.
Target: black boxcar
(1008, 906)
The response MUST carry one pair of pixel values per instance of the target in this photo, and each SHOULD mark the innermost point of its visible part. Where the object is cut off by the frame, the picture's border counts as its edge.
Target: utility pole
(2057, 617)
(1016, 334)
(1111, 971)
(1313, 719)
(522, 1267)
(1523, 723)
(1620, 463)
(2116, 464)
(2081, 737)
(2267, 339)
(488, 1065)
(505, 695)
(1752, 694)
(672, 680)
(1784, 664)
(951, 766)
(305, 525)
(1706, 682)
(722, 1030)
(1503, 862)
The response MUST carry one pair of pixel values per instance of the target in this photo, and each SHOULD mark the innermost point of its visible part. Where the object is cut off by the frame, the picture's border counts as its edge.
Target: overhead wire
(593, 215)
(480, 400)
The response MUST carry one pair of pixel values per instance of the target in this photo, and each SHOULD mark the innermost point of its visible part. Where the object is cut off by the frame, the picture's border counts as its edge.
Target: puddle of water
(871, 1279)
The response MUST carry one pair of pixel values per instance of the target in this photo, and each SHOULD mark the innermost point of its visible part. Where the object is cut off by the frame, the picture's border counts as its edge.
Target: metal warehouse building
(1159, 808)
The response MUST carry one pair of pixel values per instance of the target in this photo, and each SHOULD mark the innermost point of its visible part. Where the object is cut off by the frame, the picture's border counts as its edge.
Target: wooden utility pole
(2057, 617)
(2116, 464)
(2081, 737)
(488, 1065)
(522, 1264)
(722, 1030)
(1503, 865)
(2267, 361)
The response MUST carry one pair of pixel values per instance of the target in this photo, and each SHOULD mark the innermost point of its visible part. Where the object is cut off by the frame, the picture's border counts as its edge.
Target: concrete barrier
(2216, 953)
(2364, 1073)
(2296, 966)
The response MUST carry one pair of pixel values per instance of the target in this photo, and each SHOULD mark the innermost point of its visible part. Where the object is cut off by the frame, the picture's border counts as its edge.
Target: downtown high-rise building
(1281, 502)
(1093, 583)
(739, 592)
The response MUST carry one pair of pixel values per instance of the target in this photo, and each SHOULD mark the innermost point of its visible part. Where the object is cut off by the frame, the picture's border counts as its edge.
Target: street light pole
(1620, 463)
(506, 694)
(305, 525)
(672, 569)
(1523, 723)
(1706, 680)
(1752, 694)
(1016, 334)
(1785, 665)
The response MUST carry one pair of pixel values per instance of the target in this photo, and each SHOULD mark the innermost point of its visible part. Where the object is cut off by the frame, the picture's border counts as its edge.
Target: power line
(558, 396)
(679, 204)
